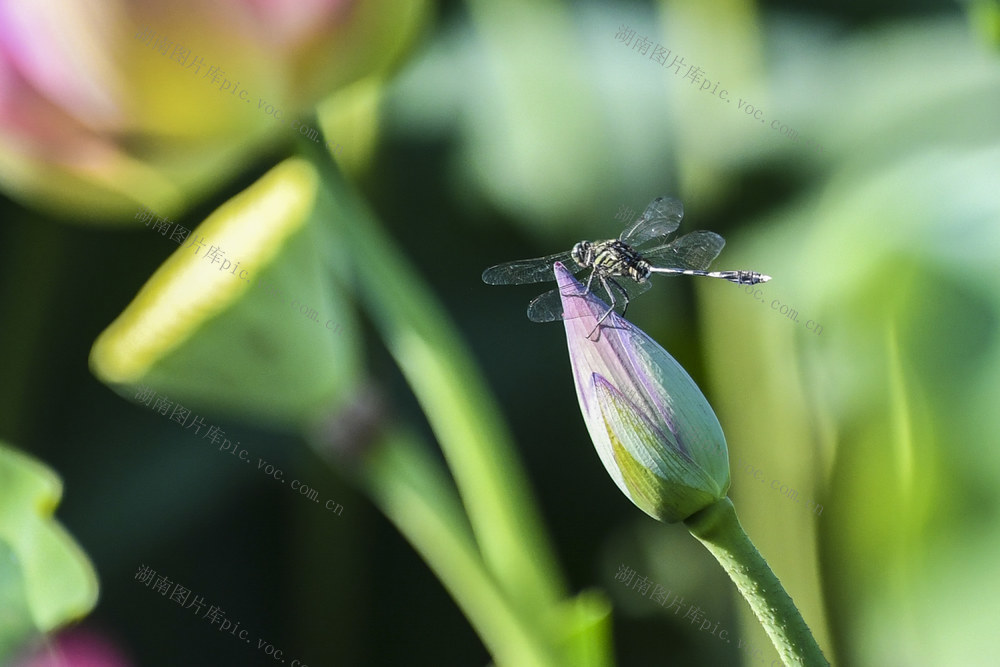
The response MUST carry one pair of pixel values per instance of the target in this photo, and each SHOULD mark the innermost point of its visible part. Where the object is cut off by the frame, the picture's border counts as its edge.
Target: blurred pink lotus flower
(77, 648)
(106, 106)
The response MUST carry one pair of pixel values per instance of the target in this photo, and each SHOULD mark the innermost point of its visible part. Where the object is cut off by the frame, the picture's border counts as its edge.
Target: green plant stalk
(718, 528)
(411, 490)
(458, 406)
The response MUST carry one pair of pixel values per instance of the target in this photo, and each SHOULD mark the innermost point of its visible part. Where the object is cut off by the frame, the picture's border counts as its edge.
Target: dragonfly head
(583, 253)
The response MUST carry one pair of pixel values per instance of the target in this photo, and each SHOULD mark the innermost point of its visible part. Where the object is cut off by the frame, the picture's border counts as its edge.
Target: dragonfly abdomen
(640, 271)
(738, 277)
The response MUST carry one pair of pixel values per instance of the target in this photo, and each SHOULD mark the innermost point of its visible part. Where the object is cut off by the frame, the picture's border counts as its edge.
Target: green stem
(411, 490)
(458, 405)
(720, 531)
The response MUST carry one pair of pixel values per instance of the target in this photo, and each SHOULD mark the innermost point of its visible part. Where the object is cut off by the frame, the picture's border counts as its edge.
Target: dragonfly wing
(662, 217)
(548, 306)
(633, 288)
(692, 251)
(524, 271)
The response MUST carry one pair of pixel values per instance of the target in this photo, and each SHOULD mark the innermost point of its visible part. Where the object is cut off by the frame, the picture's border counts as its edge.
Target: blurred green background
(479, 133)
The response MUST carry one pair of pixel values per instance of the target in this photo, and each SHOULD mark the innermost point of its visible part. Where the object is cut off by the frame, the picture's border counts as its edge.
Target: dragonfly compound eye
(581, 253)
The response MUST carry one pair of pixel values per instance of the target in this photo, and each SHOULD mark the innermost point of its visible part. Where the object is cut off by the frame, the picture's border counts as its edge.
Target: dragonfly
(642, 249)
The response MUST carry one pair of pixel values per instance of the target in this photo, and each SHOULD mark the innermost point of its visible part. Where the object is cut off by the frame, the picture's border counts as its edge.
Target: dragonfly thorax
(611, 258)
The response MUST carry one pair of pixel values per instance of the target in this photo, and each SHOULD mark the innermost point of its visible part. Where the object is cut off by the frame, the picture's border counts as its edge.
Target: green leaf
(45, 578)
(16, 621)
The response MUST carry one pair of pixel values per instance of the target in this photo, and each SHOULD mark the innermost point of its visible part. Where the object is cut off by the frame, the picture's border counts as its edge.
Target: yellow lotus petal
(203, 329)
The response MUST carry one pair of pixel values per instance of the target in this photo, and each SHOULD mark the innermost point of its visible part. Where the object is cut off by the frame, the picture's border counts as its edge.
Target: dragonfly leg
(624, 294)
(611, 308)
